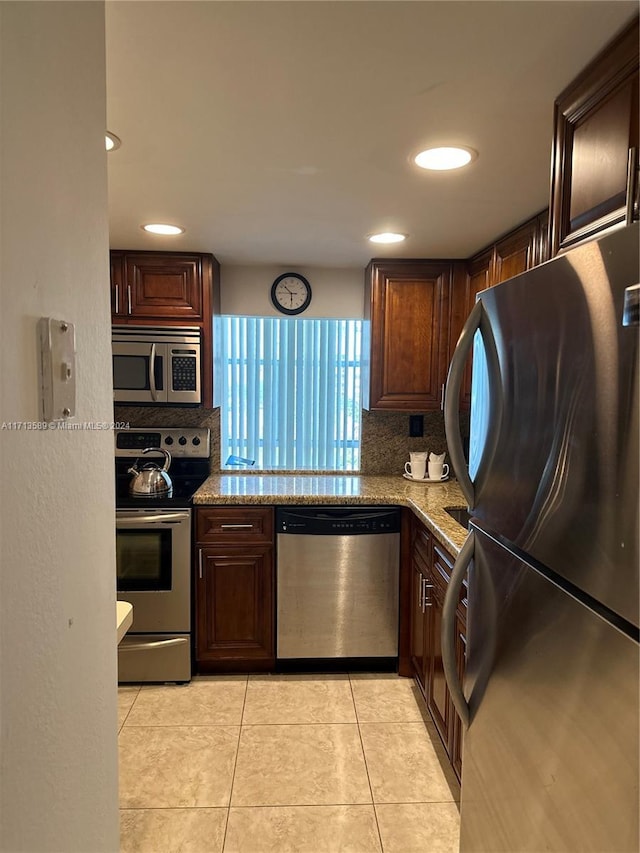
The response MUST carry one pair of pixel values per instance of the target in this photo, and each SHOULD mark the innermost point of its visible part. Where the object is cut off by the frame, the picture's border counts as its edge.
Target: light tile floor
(283, 763)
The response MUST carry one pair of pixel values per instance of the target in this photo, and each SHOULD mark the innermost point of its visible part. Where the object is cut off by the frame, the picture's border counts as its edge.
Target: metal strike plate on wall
(57, 367)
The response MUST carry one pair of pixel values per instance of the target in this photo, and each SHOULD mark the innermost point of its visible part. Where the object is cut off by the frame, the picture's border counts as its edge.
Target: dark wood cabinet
(436, 692)
(466, 287)
(234, 589)
(594, 180)
(457, 739)
(168, 289)
(421, 546)
(407, 305)
(514, 253)
(164, 286)
(431, 570)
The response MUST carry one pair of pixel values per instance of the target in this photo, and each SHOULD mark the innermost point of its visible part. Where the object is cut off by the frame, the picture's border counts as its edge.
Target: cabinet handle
(427, 600)
(421, 602)
(442, 398)
(236, 526)
(129, 298)
(200, 563)
(117, 290)
(632, 181)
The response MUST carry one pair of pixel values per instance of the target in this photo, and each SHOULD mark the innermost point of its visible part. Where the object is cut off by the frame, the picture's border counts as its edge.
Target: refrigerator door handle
(449, 628)
(452, 402)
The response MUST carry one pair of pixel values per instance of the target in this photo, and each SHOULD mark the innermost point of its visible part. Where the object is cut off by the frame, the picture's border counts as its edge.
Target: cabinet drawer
(442, 568)
(234, 524)
(442, 564)
(422, 544)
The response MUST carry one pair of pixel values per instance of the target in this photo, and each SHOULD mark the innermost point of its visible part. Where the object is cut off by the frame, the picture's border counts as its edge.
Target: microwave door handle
(152, 374)
(168, 517)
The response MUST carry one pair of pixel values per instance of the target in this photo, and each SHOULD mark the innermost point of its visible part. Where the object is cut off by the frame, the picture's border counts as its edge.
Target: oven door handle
(167, 518)
(153, 644)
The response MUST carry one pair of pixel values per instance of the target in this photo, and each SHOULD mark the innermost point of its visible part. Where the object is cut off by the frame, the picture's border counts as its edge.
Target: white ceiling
(281, 132)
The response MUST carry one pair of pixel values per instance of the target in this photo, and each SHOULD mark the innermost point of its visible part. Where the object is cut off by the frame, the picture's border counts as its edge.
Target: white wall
(58, 780)
(335, 293)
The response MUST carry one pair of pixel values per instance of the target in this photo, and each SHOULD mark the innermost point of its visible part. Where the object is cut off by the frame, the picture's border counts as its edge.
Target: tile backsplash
(386, 443)
(385, 435)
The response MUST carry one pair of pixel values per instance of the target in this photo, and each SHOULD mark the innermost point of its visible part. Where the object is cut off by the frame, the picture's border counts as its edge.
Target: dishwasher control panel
(337, 520)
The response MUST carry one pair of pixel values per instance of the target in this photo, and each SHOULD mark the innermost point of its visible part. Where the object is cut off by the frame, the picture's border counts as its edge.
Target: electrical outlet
(416, 426)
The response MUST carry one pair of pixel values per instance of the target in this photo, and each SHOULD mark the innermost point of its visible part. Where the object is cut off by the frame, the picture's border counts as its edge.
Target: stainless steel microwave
(157, 365)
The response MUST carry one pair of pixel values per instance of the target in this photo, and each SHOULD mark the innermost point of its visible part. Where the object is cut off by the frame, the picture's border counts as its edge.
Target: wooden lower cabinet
(436, 690)
(431, 569)
(458, 731)
(234, 591)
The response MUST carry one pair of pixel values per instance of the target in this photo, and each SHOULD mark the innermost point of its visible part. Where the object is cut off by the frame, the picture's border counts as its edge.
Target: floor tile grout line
(130, 708)
(235, 764)
(366, 766)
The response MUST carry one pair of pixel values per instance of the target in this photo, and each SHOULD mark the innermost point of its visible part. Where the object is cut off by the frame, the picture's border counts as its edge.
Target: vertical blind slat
(290, 392)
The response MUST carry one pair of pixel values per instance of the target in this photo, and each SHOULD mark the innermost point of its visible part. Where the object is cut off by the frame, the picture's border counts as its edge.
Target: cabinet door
(234, 604)
(437, 692)
(516, 252)
(418, 638)
(473, 278)
(542, 240)
(408, 303)
(164, 285)
(118, 300)
(457, 740)
(596, 126)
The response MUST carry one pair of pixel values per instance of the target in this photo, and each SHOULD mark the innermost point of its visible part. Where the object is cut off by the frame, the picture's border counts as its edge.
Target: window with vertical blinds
(290, 392)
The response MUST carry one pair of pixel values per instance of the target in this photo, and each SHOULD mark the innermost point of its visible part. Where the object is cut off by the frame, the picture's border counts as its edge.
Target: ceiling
(281, 132)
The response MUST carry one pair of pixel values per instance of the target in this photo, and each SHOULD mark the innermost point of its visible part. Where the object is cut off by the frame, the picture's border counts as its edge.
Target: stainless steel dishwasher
(338, 576)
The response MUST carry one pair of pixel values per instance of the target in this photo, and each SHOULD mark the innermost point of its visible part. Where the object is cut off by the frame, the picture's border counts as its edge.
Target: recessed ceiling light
(162, 228)
(111, 141)
(387, 237)
(441, 159)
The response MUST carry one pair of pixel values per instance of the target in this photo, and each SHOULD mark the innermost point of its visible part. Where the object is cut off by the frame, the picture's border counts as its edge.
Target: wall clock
(291, 293)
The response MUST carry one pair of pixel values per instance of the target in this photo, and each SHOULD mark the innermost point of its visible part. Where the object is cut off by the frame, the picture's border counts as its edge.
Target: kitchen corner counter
(427, 500)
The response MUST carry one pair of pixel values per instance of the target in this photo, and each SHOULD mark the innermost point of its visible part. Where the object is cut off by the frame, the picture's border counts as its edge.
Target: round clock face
(291, 293)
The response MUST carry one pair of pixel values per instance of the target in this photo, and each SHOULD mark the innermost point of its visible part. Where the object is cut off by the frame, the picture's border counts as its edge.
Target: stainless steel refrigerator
(550, 695)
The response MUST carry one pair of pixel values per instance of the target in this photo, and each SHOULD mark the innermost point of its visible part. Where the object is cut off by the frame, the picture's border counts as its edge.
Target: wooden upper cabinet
(466, 285)
(542, 241)
(164, 285)
(170, 287)
(516, 252)
(118, 303)
(407, 304)
(595, 149)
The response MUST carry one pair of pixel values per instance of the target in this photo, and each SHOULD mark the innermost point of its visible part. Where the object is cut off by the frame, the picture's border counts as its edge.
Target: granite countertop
(427, 500)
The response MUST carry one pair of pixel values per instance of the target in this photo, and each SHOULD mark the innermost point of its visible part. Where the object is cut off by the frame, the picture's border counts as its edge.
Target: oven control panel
(181, 442)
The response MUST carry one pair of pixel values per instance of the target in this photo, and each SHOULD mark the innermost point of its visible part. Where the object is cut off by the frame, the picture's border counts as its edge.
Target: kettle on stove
(151, 480)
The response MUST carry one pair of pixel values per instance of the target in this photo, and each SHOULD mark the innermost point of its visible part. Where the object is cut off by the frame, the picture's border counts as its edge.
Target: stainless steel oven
(153, 558)
(156, 365)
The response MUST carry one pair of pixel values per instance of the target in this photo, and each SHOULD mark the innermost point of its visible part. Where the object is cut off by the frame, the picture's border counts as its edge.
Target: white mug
(438, 470)
(416, 469)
